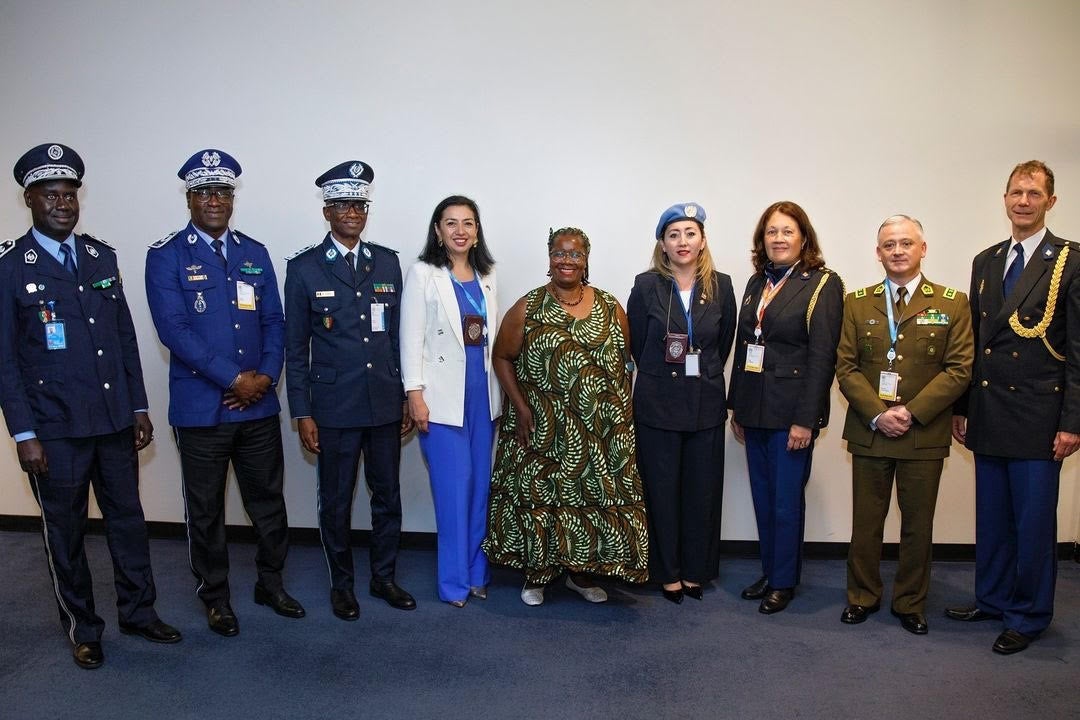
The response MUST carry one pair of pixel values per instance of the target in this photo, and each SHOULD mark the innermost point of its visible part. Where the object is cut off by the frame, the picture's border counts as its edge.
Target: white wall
(595, 114)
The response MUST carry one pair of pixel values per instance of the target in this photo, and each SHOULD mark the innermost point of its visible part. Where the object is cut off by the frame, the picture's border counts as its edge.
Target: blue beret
(209, 167)
(680, 211)
(51, 161)
(351, 180)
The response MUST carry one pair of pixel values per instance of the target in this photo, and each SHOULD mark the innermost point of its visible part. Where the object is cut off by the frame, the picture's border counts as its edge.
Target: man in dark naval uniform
(214, 299)
(344, 383)
(72, 393)
(903, 360)
(1021, 416)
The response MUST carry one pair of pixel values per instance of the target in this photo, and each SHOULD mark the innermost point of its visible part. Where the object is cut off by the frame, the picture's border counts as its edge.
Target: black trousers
(111, 465)
(254, 449)
(339, 460)
(683, 476)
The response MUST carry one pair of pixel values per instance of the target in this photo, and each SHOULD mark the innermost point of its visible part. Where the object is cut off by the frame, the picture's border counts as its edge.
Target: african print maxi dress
(572, 499)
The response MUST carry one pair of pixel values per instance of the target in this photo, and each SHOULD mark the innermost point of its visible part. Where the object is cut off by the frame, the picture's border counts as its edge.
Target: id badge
(378, 317)
(693, 364)
(55, 338)
(755, 358)
(887, 385)
(675, 347)
(472, 329)
(245, 295)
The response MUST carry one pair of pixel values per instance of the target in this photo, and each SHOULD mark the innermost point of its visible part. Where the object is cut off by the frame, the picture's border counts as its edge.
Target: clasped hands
(247, 390)
(895, 421)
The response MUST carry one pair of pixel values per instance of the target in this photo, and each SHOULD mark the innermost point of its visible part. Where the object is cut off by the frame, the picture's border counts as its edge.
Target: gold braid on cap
(1039, 330)
(817, 291)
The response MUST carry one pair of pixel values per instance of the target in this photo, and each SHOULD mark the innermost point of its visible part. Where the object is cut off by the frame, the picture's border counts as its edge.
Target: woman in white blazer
(448, 320)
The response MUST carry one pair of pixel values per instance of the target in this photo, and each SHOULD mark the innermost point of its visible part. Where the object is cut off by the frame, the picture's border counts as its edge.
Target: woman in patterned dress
(565, 491)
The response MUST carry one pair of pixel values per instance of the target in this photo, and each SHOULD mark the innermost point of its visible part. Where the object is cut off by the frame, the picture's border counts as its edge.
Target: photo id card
(755, 358)
(693, 364)
(378, 317)
(245, 295)
(887, 385)
(55, 339)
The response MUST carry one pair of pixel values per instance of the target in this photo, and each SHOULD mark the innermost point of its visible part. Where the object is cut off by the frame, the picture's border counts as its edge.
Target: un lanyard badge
(888, 380)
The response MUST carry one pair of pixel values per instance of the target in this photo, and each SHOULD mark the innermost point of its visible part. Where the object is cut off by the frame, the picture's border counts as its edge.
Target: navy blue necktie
(217, 249)
(69, 261)
(1012, 275)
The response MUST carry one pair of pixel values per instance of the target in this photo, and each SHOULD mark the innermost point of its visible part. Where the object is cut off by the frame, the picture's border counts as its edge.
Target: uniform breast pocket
(203, 297)
(326, 311)
(930, 344)
(44, 387)
(871, 349)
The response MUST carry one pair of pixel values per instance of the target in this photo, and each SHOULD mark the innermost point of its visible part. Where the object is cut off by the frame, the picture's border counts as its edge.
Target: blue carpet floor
(636, 656)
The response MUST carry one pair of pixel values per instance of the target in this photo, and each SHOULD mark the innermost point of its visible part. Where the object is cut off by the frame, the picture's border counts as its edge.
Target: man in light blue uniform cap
(71, 388)
(344, 383)
(214, 299)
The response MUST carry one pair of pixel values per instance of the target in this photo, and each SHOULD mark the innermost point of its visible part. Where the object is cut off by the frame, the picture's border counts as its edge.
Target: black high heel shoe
(693, 591)
(675, 596)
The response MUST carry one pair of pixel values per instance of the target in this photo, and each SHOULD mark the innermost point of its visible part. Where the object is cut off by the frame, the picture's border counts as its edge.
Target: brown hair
(703, 276)
(1029, 169)
(810, 255)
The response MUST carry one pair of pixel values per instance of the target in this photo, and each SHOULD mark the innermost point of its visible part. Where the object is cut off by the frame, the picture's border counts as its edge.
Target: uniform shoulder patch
(880, 289)
(247, 237)
(926, 290)
(88, 236)
(860, 293)
(6, 247)
(163, 241)
(381, 247)
(303, 250)
(950, 293)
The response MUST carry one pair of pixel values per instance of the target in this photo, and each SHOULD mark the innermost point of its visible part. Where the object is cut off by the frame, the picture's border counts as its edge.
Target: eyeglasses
(342, 207)
(575, 255)
(222, 194)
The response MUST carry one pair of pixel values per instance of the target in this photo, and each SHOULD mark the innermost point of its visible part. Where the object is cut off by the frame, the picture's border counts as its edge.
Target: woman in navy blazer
(682, 321)
(448, 318)
(785, 356)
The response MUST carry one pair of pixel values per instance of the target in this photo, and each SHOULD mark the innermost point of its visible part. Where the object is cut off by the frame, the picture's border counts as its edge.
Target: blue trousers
(459, 464)
(777, 482)
(1016, 540)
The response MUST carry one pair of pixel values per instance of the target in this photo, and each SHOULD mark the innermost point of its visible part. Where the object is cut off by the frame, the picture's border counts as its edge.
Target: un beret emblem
(690, 211)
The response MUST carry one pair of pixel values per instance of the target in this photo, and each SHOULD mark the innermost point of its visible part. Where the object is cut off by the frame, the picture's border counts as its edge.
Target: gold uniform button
(899, 358)
(900, 336)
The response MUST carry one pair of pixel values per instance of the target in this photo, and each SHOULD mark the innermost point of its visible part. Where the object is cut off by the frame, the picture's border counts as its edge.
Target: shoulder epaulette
(247, 237)
(163, 241)
(860, 293)
(381, 247)
(949, 294)
(880, 289)
(303, 250)
(6, 247)
(88, 236)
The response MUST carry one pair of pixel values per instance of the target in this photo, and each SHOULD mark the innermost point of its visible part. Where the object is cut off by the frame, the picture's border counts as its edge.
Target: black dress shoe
(344, 604)
(675, 596)
(693, 591)
(855, 614)
(756, 591)
(156, 631)
(394, 596)
(970, 613)
(222, 619)
(914, 623)
(282, 603)
(88, 655)
(776, 600)
(1008, 642)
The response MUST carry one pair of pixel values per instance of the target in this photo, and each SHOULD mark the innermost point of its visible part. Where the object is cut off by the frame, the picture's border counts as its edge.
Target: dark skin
(54, 207)
(346, 226)
(212, 215)
(566, 285)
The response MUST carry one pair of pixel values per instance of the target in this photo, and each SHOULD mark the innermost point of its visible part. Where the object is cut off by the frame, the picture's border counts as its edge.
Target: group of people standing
(609, 457)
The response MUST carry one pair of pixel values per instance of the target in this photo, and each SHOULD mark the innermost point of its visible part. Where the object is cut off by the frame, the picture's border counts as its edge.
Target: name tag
(887, 385)
(195, 278)
(245, 296)
(693, 364)
(55, 338)
(755, 358)
(324, 293)
(378, 317)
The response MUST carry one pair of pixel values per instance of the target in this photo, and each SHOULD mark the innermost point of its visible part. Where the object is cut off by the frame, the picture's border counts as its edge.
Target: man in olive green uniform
(905, 356)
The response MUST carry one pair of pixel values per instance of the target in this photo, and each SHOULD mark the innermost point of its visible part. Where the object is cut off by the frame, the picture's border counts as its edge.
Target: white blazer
(432, 344)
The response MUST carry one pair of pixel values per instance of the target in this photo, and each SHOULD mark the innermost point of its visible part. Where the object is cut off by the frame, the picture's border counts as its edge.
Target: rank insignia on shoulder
(5, 247)
(301, 251)
(860, 293)
(880, 289)
(163, 241)
(91, 250)
(384, 287)
(927, 291)
(381, 247)
(949, 294)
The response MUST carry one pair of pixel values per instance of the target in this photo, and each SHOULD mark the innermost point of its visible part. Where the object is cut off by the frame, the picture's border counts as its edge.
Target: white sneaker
(593, 594)
(532, 595)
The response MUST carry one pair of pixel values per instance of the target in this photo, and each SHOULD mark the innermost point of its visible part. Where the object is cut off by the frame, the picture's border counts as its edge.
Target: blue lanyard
(481, 308)
(687, 313)
(894, 325)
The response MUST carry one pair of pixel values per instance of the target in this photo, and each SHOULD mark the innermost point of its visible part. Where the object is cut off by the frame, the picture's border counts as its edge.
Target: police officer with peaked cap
(72, 393)
(214, 299)
(344, 382)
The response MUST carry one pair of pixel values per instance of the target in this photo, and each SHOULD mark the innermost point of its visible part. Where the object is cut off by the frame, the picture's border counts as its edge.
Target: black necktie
(350, 258)
(901, 292)
(217, 249)
(1012, 275)
(69, 261)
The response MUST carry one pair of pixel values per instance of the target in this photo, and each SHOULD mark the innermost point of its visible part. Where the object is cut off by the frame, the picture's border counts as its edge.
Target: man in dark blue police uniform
(344, 382)
(71, 388)
(214, 299)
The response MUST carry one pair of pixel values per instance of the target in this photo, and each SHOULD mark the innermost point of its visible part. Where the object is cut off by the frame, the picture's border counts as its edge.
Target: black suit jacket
(1023, 390)
(663, 396)
(793, 388)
